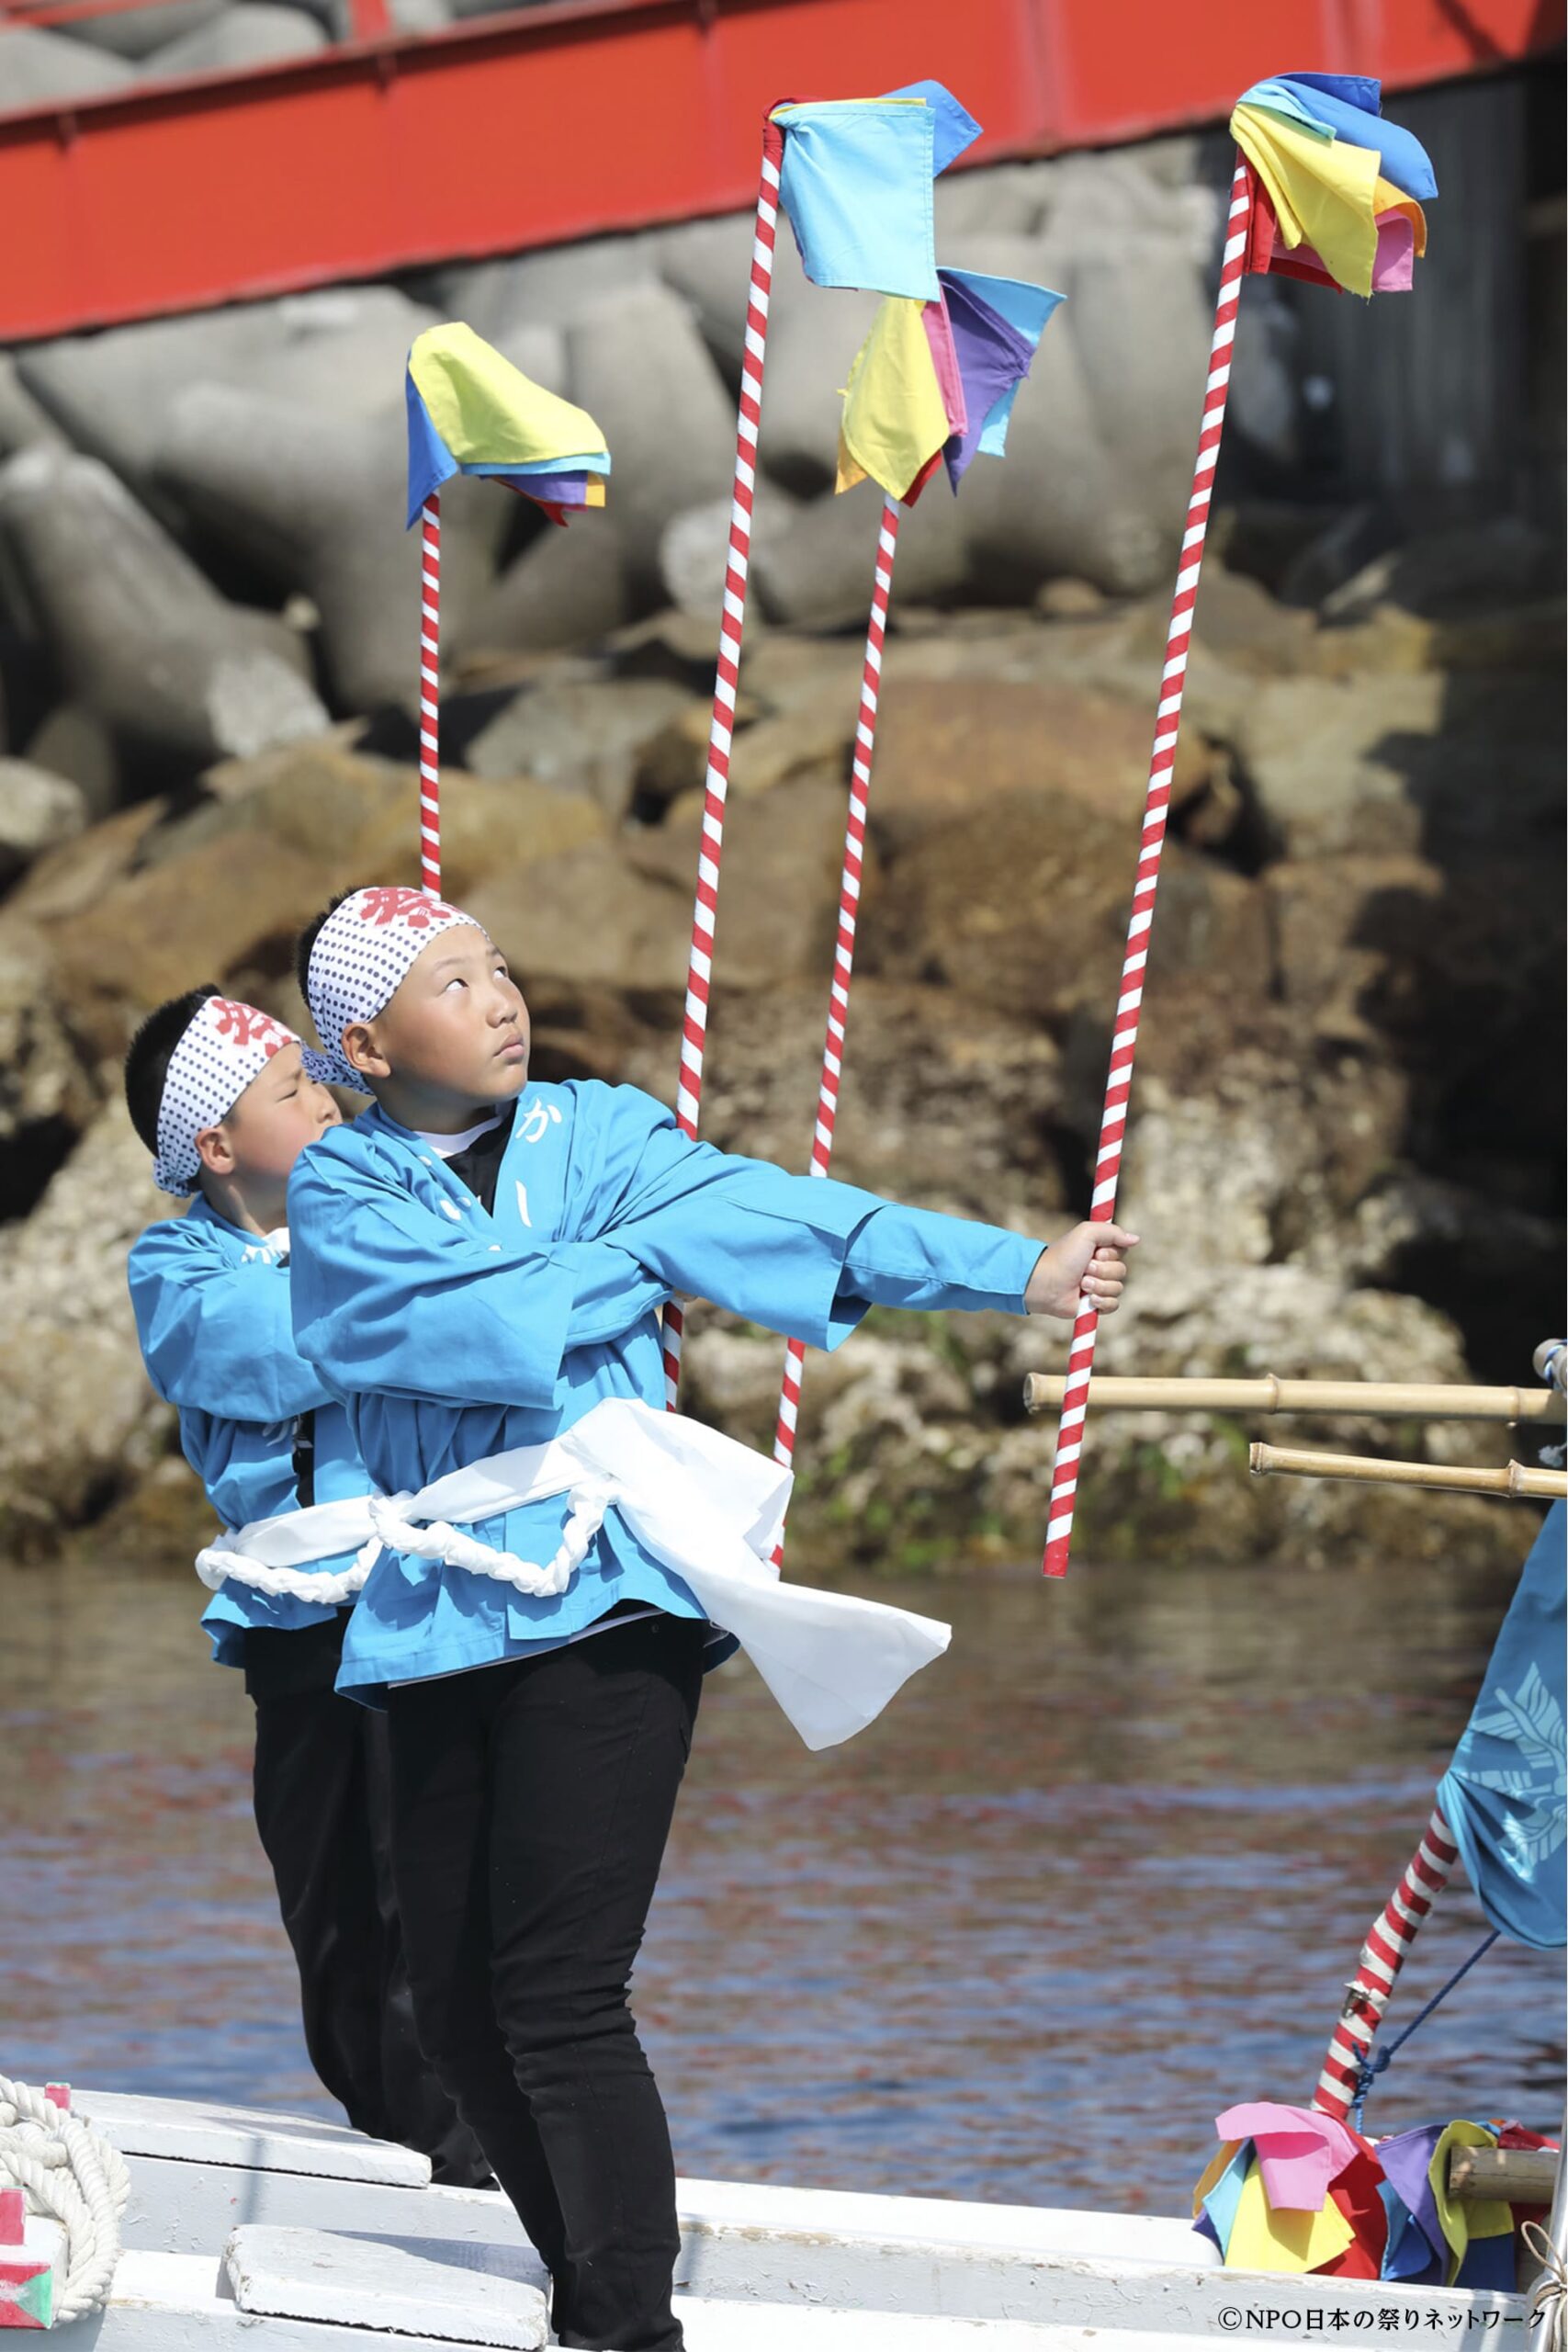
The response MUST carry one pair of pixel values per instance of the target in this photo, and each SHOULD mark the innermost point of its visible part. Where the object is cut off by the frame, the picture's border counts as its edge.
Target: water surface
(1099, 1872)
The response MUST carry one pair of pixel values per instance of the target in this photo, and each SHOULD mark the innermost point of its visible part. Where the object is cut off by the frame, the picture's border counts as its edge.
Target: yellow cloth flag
(1486, 2218)
(487, 412)
(1325, 197)
(894, 418)
(1264, 2240)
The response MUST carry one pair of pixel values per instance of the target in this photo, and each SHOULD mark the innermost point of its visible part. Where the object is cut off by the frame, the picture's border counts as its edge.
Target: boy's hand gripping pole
(1167, 724)
(732, 623)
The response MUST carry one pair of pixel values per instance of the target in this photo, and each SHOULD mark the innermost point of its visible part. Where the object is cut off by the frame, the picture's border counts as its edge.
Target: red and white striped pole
(732, 624)
(1383, 1956)
(430, 696)
(1167, 724)
(844, 950)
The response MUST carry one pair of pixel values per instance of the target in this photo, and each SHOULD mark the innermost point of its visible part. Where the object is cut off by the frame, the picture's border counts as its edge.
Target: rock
(1055, 503)
(546, 287)
(135, 630)
(66, 880)
(75, 744)
(243, 34)
(591, 921)
(786, 744)
(84, 1422)
(640, 369)
(22, 420)
(821, 568)
(580, 738)
(37, 68)
(38, 812)
(778, 905)
(998, 199)
(319, 501)
(231, 911)
(947, 749)
(340, 352)
(1262, 409)
(693, 550)
(708, 264)
(1141, 323)
(569, 588)
(618, 915)
(1244, 623)
(1446, 574)
(1398, 762)
(357, 819)
(1027, 907)
(944, 1101)
(1335, 958)
(1331, 557)
(47, 1094)
(1068, 600)
(135, 33)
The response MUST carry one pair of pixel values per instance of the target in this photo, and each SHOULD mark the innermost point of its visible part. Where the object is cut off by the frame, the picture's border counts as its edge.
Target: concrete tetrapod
(135, 632)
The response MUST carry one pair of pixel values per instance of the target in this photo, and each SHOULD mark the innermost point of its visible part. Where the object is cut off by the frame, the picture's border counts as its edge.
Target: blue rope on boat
(1383, 2056)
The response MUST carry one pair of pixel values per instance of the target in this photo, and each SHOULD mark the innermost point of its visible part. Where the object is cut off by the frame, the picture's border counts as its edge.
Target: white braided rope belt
(706, 1507)
(75, 2175)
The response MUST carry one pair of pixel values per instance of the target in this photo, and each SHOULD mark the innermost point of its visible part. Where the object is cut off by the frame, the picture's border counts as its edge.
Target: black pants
(531, 1803)
(321, 1801)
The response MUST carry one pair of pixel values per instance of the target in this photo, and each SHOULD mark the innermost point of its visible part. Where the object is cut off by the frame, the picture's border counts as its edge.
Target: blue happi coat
(450, 1333)
(212, 1314)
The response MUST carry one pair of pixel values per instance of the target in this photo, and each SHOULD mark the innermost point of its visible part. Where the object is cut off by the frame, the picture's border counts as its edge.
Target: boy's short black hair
(307, 940)
(147, 1058)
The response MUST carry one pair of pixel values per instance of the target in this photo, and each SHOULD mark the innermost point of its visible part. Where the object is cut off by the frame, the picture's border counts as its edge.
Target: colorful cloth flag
(1505, 1796)
(1333, 182)
(471, 412)
(856, 185)
(937, 379)
(996, 326)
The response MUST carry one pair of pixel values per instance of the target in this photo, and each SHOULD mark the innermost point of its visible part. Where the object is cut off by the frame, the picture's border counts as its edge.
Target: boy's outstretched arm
(807, 1256)
(388, 1299)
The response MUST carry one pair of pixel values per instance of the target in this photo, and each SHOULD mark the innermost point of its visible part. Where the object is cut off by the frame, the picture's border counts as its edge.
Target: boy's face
(279, 1112)
(455, 1032)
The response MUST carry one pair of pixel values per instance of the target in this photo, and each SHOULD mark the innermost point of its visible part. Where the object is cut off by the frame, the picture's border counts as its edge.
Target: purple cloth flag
(996, 323)
(1405, 2160)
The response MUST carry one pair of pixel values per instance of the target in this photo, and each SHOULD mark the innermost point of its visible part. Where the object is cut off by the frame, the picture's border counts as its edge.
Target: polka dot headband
(362, 954)
(225, 1046)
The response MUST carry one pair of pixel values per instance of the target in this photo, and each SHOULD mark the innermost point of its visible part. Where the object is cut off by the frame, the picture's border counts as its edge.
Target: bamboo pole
(1427, 1401)
(1507, 2175)
(1517, 1482)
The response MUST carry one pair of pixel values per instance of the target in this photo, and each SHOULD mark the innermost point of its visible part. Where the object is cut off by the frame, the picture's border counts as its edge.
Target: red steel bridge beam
(581, 116)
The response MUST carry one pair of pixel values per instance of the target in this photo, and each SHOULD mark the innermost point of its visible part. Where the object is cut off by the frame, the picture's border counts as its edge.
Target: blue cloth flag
(1347, 105)
(856, 185)
(954, 128)
(1504, 1795)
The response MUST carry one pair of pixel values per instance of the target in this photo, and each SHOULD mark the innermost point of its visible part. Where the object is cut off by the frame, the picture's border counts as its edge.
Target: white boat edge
(762, 2268)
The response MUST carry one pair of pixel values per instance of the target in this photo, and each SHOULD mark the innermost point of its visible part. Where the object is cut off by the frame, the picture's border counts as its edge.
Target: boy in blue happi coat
(478, 1266)
(220, 1093)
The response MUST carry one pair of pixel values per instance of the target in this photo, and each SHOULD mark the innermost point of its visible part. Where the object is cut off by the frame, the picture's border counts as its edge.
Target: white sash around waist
(708, 1508)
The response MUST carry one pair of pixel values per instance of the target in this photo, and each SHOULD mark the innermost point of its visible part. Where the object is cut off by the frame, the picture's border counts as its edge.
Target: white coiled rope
(217, 1566)
(72, 2173)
